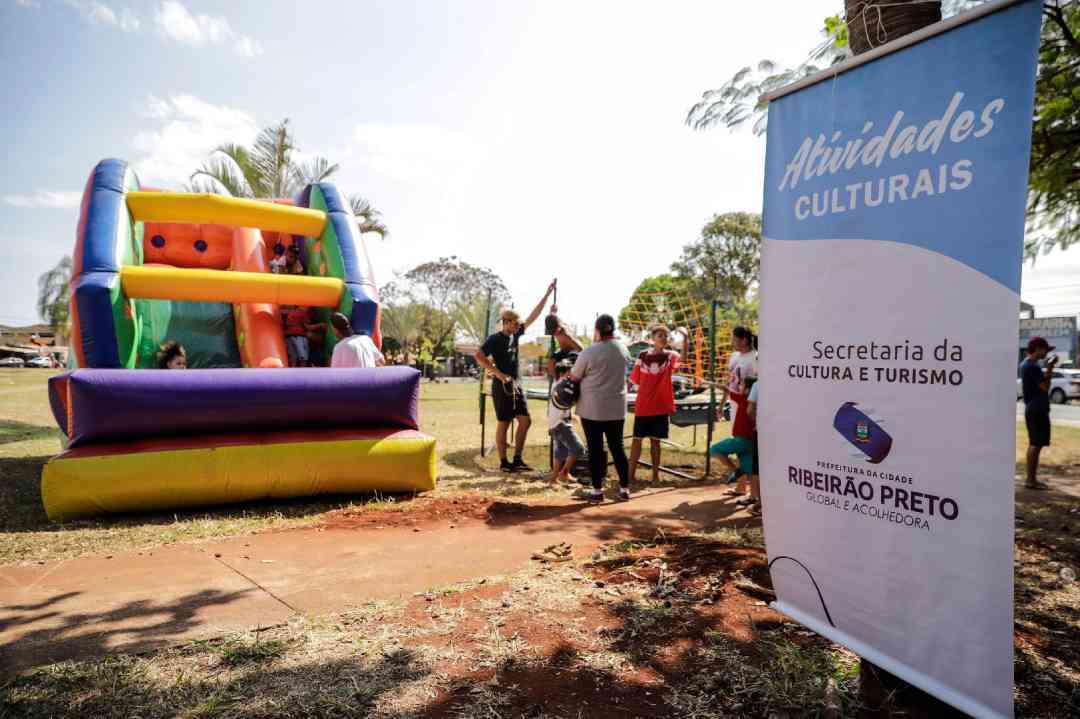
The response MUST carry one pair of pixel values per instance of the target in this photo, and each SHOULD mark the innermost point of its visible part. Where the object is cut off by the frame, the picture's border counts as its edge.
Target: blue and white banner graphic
(894, 220)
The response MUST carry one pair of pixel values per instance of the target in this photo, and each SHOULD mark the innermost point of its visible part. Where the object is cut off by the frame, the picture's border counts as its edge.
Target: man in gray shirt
(601, 370)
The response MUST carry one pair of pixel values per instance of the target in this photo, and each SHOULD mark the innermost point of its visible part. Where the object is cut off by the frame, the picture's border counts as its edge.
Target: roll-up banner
(894, 220)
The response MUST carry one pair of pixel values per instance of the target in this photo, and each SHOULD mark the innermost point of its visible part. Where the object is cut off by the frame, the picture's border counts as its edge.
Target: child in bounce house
(171, 355)
(298, 322)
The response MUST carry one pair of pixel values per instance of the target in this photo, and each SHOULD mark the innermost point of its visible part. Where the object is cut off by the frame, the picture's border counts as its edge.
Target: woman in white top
(741, 365)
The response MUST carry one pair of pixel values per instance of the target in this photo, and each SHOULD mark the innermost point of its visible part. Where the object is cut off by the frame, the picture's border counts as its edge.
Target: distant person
(755, 473)
(298, 321)
(288, 263)
(601, 371)
(171, 355)
(742, 365)
(352, 349)
(743, 440)
(499, 356)
(655, 403)
(1035, 382)
(566, 443)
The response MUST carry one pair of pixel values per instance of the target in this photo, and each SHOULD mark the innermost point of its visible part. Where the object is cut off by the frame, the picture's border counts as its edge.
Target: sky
(539, 139)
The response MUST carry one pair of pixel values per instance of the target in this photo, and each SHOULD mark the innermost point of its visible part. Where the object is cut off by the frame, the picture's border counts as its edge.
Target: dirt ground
(665, 625)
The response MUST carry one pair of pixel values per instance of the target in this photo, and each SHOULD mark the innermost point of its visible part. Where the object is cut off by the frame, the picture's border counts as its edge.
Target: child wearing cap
(567, 445)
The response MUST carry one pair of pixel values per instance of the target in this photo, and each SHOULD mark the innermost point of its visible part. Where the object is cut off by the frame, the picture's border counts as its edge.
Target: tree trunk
(870, 24)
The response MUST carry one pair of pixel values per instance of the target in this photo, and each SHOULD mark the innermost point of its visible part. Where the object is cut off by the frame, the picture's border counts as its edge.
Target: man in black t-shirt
(499, 356)
(1035, 382)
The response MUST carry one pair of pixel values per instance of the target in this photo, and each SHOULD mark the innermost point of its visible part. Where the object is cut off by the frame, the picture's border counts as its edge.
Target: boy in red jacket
(655, 398)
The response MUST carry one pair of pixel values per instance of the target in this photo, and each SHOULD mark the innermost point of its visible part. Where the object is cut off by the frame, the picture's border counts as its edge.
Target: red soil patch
(706, 586)
(423, 511)
(420, 511)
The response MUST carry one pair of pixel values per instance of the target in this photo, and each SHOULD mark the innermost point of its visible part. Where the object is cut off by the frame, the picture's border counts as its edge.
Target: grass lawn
(676, 626)
(450, 412)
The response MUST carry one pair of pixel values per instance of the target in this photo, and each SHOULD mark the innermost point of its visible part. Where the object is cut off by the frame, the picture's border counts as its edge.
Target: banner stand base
(883, 663)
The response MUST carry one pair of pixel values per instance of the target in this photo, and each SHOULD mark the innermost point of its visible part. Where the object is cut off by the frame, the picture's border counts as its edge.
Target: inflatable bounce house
(240, 425)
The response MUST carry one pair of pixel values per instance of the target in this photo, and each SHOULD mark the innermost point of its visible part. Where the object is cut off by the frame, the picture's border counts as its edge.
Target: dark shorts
(509, 400)
(1038, 427)
(655, 426)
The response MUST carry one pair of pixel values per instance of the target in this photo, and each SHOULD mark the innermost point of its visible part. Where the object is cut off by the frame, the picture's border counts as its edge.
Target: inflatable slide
(154, 266)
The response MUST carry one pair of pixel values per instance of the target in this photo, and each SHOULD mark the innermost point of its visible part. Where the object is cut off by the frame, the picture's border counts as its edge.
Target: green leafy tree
(54, 296)
(268, 170)
(656, 299)
(475, 317)
(724, 262)
(1054, 184)
(446, 286)
(402, 321)
(1054, 180)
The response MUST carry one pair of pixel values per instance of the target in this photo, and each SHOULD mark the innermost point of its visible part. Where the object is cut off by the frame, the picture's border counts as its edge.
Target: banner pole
(712, 386)
(551, 378)
(483, 376)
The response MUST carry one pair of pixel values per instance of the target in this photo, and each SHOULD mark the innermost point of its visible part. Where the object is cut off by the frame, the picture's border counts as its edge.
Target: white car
(40, 363)
(1064, 385)
(11, 362)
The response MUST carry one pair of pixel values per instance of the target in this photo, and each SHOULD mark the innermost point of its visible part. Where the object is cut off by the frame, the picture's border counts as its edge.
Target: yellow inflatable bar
(85, 486)
(208, 209)
(196, 285)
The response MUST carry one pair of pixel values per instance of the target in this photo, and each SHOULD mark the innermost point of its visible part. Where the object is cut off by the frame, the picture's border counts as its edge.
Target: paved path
(136, 602)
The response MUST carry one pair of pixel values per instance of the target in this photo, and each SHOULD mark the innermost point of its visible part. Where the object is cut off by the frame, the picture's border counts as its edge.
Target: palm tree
(267, 170)
(368, 219)
(54, 296)
(405, 323)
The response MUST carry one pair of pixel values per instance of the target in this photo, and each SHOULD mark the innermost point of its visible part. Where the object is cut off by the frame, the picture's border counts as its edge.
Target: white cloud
(248, 47)
(176, 22)
(99, 13)
(28, 3)
(129, 21)
(187, 131)
(45, 199)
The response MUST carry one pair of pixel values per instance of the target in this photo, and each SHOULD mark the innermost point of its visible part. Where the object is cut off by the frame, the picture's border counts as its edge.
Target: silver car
(1064, 385)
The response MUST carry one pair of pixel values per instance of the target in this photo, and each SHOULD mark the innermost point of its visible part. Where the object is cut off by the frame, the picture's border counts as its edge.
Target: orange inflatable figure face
(182, 245)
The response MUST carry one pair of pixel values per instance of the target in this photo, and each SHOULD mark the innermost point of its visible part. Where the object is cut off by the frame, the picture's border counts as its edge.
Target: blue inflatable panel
(105, 211)
(92, 293)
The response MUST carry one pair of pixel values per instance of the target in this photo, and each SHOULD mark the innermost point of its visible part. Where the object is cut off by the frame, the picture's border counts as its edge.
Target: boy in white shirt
(353, 350)
(567, 445)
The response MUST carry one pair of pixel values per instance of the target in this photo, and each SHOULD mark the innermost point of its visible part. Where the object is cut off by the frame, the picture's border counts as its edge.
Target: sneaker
(624, 494)
(519, 466)
(594, 496)
(505, 466)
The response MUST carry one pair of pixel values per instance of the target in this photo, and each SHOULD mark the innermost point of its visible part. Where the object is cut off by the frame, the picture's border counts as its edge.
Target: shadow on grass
(13, 431)
(122, 687)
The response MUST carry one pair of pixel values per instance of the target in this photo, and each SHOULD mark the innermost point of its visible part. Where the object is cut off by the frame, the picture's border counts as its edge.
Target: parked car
(11, 362)
(40, 363)
(1064, 385)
